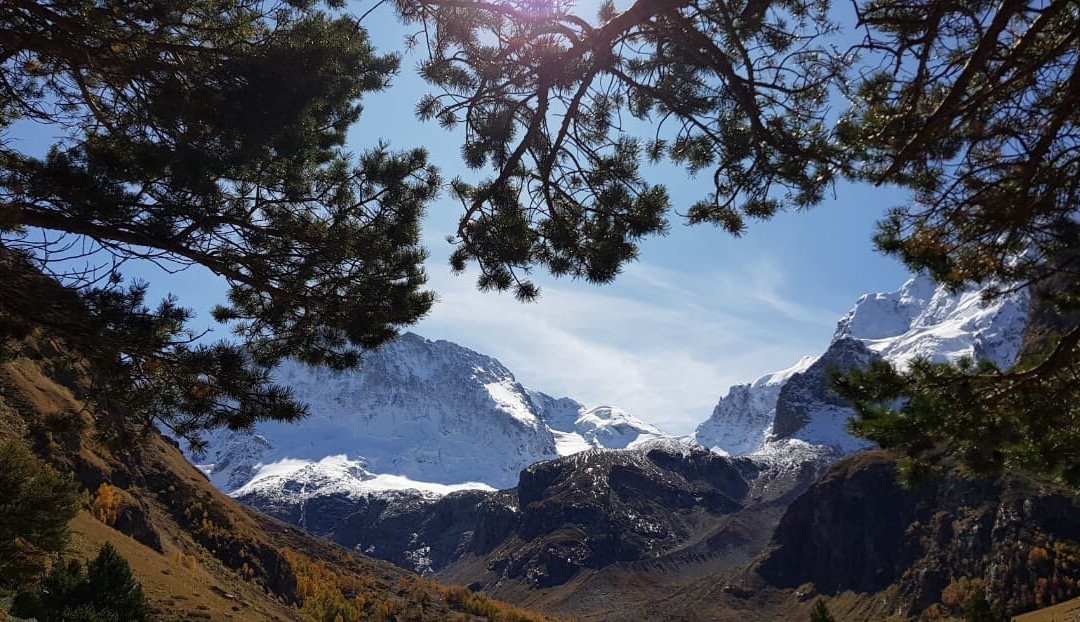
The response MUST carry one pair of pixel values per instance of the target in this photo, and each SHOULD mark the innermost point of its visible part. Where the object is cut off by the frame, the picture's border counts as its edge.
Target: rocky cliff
(794, 411)
(1014, 539)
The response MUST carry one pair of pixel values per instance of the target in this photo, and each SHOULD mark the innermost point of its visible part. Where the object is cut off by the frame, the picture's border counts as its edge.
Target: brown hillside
(1065, 612)
(198, 554)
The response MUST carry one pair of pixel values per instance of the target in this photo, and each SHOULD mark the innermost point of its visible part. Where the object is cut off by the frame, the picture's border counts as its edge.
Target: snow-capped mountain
(926, 320)
(741, 419)
(793, 413)
(426, 415)
(434, 417)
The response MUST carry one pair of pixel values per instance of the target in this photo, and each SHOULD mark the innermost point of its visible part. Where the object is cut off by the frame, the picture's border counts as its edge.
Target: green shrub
(105, 592)
(978, 609)
(35, 508)
(820, 613)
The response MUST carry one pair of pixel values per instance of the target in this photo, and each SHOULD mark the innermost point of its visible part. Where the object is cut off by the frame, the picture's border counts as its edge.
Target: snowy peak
(921, 319)
(428, 415)
(610, 427)
(740, 419)
(778, 378)
(743, 416)
(808, 410)
(878, 316)
(577, 428)
(411, 357)
(300, 480)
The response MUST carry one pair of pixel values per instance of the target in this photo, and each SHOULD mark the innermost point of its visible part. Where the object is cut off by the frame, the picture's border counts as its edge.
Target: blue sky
(700, 311)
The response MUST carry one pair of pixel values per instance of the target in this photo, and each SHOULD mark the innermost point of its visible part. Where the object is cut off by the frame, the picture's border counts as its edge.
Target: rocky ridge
(659, 505)
(793, 412)
(859, 530)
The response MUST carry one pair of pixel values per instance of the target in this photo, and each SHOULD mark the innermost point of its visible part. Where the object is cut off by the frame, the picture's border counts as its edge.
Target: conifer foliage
(820, 613)
(105, 591)
(978, 610)
(203, 133)
(35, 507)
(970, 106)
(181, 145)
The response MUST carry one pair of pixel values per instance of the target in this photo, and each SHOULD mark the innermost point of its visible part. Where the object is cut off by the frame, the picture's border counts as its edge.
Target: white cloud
(662, 344)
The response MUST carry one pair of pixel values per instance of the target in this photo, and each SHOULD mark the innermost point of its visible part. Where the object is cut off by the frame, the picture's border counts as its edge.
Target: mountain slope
(741, 419)
(426, 415)
(793, 413)
(859, 530)
(198, 554)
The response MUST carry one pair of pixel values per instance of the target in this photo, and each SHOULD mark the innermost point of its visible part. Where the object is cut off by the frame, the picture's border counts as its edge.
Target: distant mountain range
(600, 515)
(435, 458)
(423, 415)
(434, 417)
(792, 413)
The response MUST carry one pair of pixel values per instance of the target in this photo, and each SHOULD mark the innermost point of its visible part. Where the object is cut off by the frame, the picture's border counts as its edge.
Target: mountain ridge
(795, 411)
(414, 414)
(411, 417)
(586, 533)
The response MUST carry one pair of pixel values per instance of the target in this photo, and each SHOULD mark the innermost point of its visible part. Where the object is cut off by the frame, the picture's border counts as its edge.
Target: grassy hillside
(198, 554)
(1064, 612)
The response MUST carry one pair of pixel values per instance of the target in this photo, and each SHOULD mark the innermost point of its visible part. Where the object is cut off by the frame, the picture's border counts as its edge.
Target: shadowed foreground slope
(198, 554)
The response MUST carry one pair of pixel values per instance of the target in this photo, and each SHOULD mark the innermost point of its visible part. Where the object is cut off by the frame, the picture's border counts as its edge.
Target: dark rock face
(405, 529)
(845, 532)
(598, 508)
(585, 511)
(810, 390)
(858, 529)
(496, 519)
(134, 521)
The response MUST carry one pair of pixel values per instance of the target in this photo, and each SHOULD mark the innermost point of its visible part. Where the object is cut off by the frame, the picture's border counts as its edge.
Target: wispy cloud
(659, 343)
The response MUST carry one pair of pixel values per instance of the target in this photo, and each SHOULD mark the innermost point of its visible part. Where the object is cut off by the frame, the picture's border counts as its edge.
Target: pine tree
(978, 609)
(36, 505)
(196, 133)
(181, 146)
(969, 106)
(740, 91)
(820, 613)
(62, 589)
(85, 613)
(112, 586)
(105, 591)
